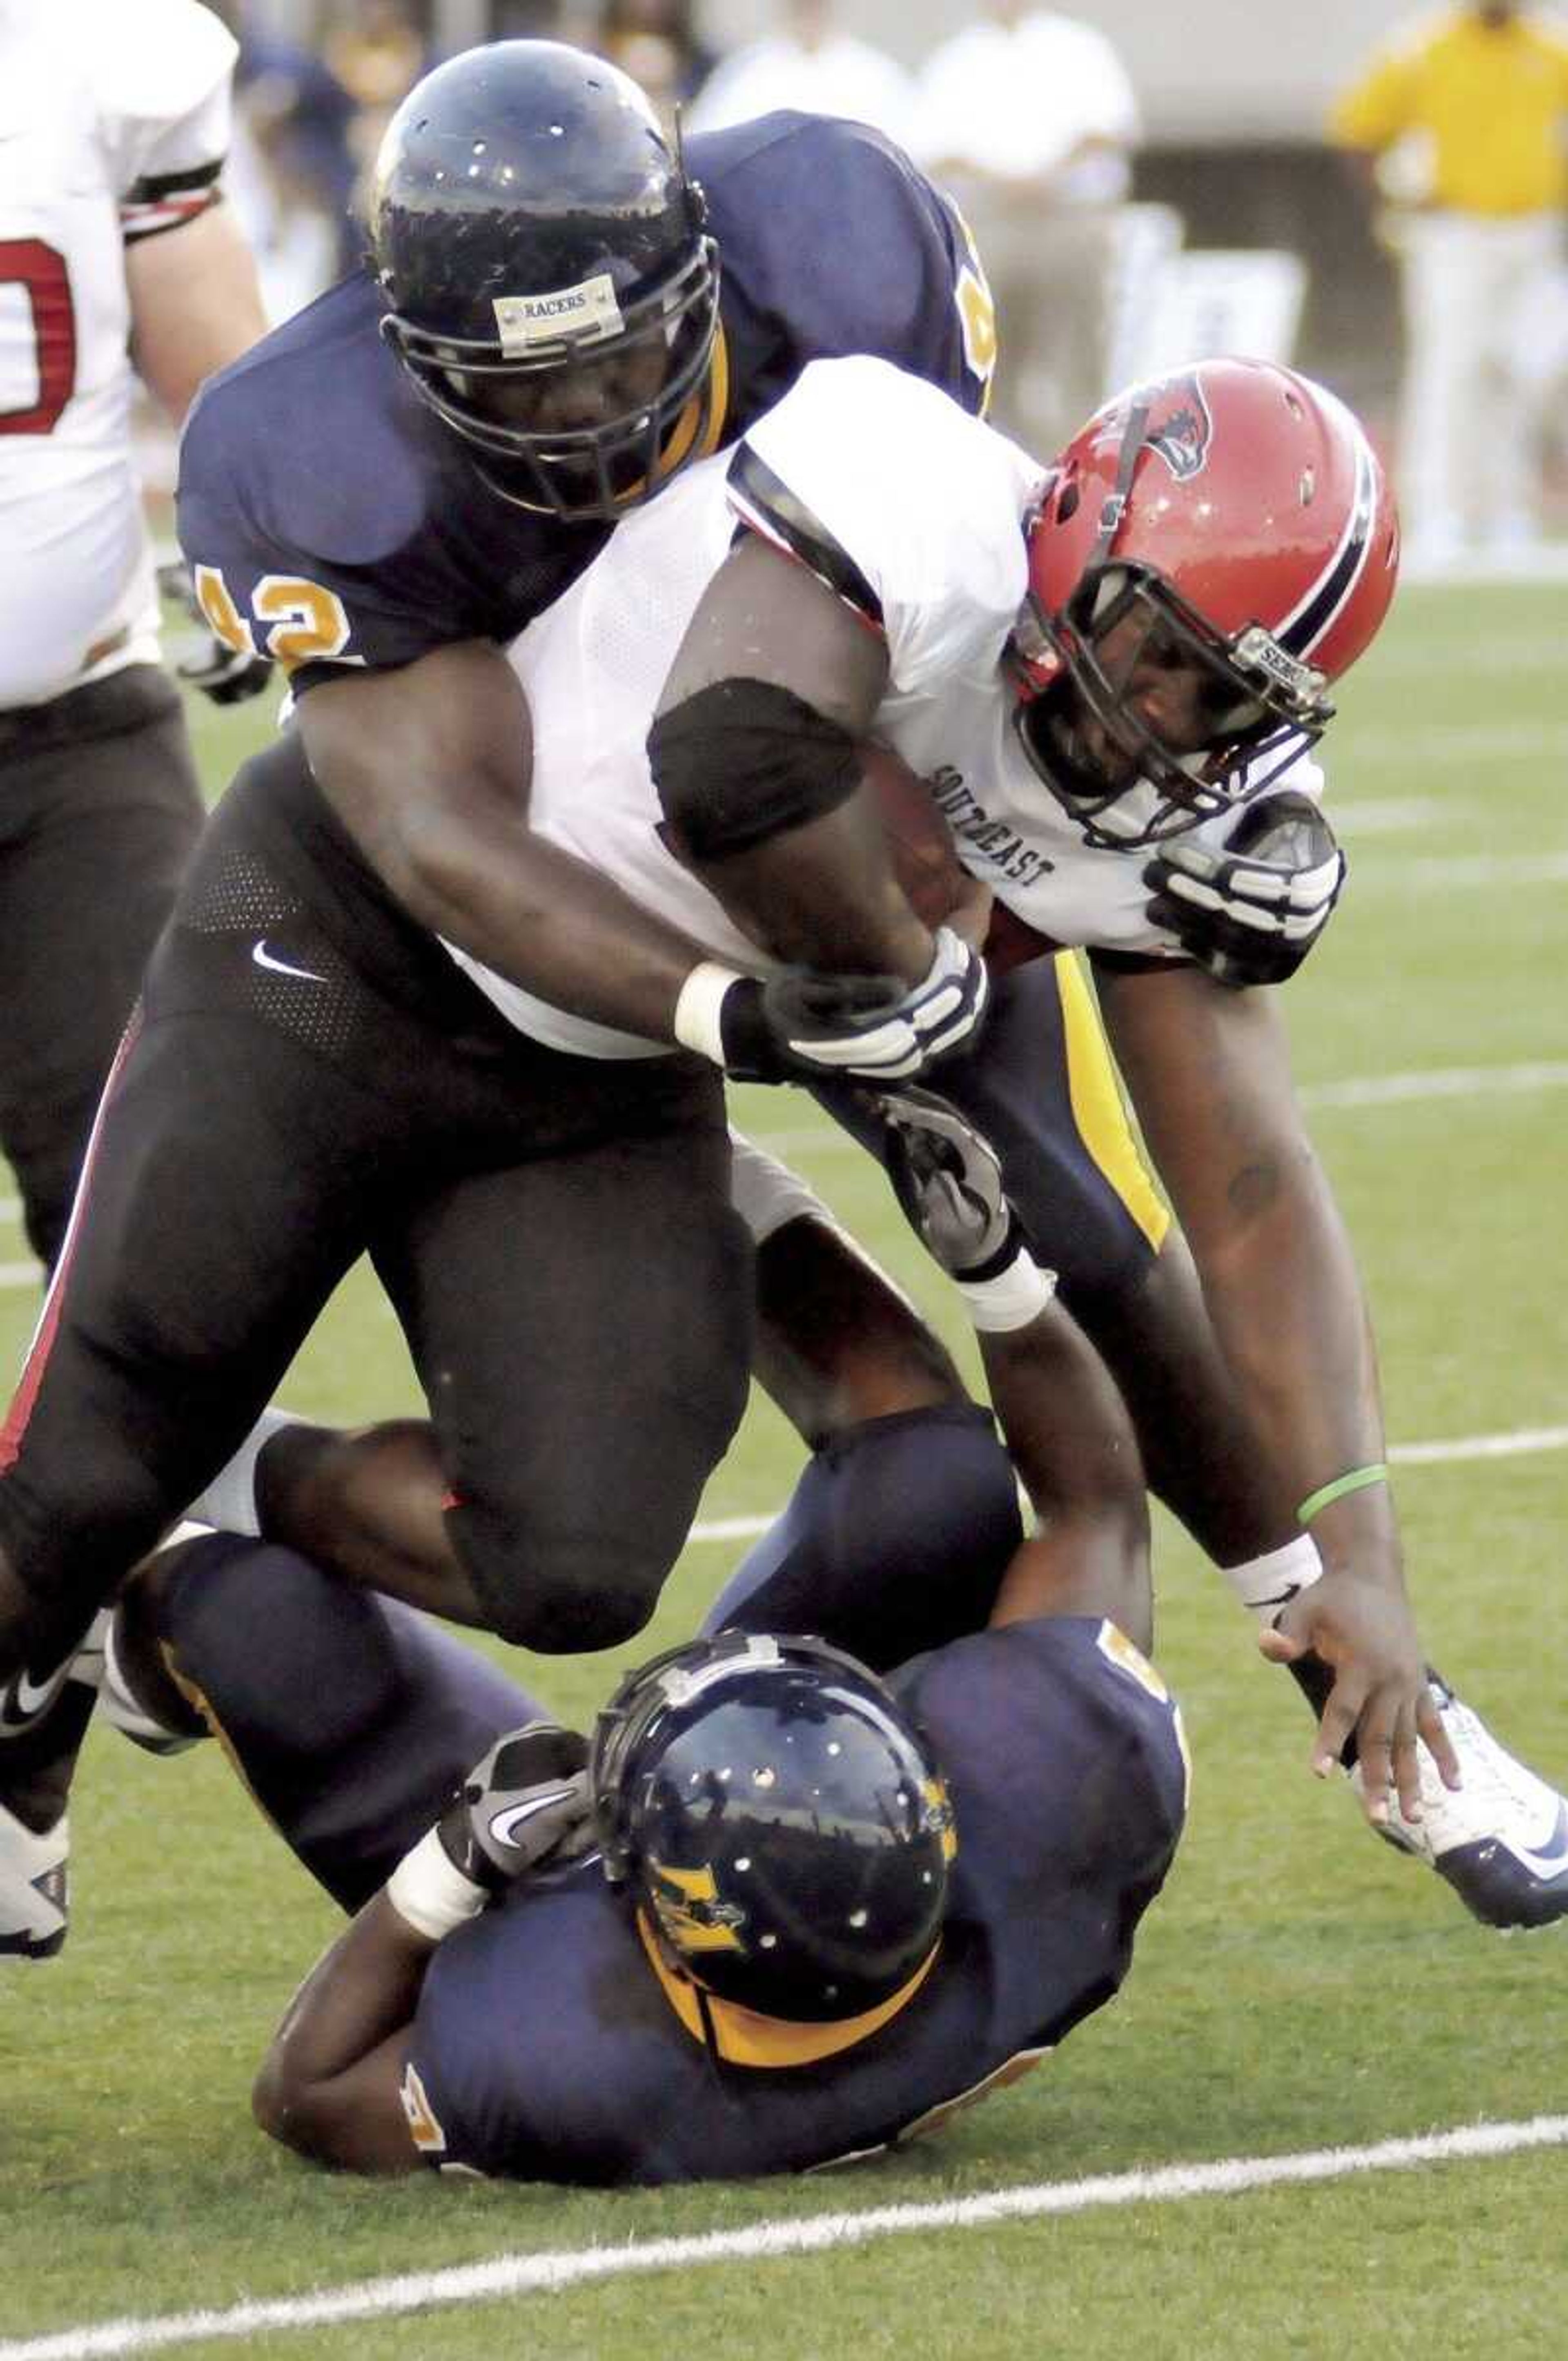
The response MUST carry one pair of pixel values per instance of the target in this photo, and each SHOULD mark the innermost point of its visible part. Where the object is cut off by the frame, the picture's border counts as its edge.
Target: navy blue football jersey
(330, 520)
(549, 2043)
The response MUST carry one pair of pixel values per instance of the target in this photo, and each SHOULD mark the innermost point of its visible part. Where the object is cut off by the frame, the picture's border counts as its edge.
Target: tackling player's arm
(444, 825)
(427, 765)
(1209, 1074)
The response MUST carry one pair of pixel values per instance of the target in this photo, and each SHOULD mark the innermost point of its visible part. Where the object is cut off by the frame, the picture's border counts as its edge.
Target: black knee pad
(744, 760)
(895, 1540)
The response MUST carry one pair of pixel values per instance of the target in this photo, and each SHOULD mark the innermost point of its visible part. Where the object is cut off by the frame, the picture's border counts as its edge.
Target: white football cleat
(43, 1717)
(34, 1888)
(1501, 1840)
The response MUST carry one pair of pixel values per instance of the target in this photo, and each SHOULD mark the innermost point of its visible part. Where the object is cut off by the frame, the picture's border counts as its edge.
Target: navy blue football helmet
(779, 1821)
(549, 284)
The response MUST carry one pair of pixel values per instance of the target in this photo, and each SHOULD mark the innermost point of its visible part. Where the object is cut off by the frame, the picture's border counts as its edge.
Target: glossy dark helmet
(548, 281)
(779, 1821)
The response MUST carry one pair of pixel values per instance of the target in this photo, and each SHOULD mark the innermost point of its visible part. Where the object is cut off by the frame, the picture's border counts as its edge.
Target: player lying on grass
(782, 1910)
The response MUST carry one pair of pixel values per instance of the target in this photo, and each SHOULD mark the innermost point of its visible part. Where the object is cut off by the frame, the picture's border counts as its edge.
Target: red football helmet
(1230, 525)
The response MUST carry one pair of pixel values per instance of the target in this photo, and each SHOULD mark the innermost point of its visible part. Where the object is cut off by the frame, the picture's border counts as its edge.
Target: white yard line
(1437, 1083)
(1386, 815)
(1520, 1443)
(1355, 1090)
(1441, 745)
(509, 2276)
(1441, 872)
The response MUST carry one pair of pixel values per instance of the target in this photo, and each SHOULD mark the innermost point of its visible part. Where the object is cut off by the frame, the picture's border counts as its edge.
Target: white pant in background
(1469, 466)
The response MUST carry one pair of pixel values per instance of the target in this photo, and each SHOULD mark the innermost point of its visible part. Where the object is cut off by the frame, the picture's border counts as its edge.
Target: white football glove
(1250, 912)
(802, 1025)
(947, 1178)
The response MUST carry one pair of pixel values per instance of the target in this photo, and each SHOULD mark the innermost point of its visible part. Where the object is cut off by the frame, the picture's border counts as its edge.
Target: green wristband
(1357, 1481)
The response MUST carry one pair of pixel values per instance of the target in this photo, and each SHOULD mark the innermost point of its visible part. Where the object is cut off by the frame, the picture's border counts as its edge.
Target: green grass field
(1298, 1986)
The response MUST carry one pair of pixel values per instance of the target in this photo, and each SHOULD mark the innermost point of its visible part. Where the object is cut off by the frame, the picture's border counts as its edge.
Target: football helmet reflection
(779, 1821)
(1232, 520)
(549, 286)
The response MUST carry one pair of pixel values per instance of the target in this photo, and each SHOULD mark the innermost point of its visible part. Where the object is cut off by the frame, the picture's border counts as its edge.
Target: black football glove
(525, 1802)
(800, 1025)
(1250, 912)
(228, 675)
(947, 1178)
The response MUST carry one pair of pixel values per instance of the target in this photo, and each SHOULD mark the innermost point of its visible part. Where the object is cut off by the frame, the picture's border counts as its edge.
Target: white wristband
(696, 1009)
(430, 1893)
(1011, 1300)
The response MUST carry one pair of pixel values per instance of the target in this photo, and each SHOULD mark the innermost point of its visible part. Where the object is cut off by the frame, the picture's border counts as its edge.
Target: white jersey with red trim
(925, 506)
(114, 121)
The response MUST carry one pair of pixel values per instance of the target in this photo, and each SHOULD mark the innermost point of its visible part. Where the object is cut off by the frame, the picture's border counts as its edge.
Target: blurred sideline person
(808, 61)
(117, 257)
(657, 43)
(1474, 100)
(1029, 118)
(1110, 680)
(627, 1964)
(379, 499)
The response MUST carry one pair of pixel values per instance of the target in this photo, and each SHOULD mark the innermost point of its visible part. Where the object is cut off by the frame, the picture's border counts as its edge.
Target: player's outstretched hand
(525, 1802)
(1365, 1633)
(803, 1026)
(1250, 912)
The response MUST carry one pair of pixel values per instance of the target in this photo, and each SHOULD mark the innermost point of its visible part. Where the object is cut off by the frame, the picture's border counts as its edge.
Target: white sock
(1264, 1585)
(228, 1504)
(120, 1706)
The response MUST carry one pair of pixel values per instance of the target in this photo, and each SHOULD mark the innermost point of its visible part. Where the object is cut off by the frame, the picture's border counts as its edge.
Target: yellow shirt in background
(1492, 101)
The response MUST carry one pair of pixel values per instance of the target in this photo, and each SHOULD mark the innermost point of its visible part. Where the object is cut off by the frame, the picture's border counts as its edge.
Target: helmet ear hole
(1067, 506)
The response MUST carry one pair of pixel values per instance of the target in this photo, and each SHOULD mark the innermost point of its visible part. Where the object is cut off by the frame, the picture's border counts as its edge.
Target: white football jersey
(113, 120)
(929, 504)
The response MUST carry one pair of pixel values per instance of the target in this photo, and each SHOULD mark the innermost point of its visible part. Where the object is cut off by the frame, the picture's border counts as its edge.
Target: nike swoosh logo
(25, 1698)
(1280, 1598)
(264, 958)
(1549, 1860)
(504, 1824)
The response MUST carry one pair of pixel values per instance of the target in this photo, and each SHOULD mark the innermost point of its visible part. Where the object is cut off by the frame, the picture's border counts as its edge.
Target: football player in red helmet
(1113, 671)
(1208, 556)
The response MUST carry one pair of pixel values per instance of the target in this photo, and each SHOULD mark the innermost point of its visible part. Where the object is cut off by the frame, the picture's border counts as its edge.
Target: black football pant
(555, 1235)
(99, 815)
